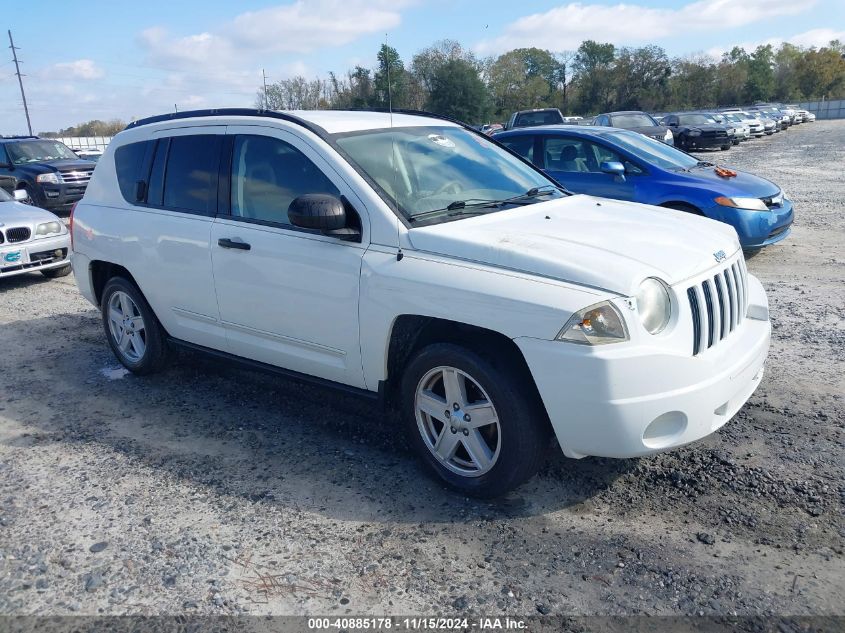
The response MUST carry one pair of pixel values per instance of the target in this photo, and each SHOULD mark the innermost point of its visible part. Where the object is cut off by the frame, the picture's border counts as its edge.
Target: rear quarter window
(128, 161)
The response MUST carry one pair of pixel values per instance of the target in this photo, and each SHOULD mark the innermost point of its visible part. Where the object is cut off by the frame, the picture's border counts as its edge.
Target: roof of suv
(320, 121)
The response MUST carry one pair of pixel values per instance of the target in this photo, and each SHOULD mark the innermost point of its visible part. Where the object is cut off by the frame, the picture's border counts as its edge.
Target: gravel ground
(212, 490)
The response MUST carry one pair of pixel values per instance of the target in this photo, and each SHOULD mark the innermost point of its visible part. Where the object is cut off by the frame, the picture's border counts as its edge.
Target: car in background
(636, 121)
(783, 121)
(31, 239)
(47, 171)
(88, 153)
(538, 116)
(756, 128)
(742, 132)
(806, 115)
(770, 126)
(697, 130)
(624, 165)
(576, 120)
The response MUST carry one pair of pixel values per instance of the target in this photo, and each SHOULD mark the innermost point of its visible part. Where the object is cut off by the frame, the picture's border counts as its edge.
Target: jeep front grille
(18, 235)
(718, 305)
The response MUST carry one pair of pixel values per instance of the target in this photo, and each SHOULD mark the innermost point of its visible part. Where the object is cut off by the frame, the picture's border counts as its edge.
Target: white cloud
(300, 27)
(566, 26)
(814, 37)
(85, 69)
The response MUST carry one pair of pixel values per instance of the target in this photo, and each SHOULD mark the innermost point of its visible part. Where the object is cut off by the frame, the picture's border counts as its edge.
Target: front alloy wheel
(475, 420)
(458, 422)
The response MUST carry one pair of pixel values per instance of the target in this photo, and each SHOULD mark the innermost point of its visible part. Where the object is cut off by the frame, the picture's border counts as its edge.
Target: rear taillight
(70, 223)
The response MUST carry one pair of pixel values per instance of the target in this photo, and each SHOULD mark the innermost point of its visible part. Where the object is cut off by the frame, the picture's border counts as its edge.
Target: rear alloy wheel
(476, 423)
(133, 332)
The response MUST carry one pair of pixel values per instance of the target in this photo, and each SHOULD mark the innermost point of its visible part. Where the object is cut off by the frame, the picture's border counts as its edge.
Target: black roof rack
(17, 137)
(192, 114)
(275, 114)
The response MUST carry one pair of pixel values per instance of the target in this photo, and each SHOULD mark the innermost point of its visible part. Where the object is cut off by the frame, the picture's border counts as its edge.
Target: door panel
(291, 298)
(176, 273)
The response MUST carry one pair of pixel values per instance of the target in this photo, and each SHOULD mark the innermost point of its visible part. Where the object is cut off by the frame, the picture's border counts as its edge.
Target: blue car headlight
(750, 204)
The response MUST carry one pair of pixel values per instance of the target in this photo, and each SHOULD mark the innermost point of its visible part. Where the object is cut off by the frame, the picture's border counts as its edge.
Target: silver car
(31, 239)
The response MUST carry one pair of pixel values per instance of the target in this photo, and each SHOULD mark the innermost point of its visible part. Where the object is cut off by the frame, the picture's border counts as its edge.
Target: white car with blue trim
(413, 260)
(31, 239)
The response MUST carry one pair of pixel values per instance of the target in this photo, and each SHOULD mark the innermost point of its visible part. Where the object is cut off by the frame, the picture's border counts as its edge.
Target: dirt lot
(211, 490)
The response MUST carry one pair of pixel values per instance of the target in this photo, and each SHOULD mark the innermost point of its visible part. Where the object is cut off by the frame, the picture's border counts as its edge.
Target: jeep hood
(596, 242)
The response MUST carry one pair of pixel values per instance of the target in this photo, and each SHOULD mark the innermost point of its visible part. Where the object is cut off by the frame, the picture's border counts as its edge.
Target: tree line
(94, 127)
(450, 80)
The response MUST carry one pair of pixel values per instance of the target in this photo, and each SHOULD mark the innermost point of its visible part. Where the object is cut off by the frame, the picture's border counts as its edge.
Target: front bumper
(34, 255)
(60, 197)
(756, 229)
(702, 142)
(631, 400)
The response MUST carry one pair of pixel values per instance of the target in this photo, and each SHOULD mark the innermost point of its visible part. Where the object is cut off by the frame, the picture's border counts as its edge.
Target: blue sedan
(614, 163)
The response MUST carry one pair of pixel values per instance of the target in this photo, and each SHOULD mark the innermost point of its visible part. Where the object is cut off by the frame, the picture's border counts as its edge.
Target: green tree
(593, 69)
(641, 78)
(392, 70)
(458, 92)
(821, 73)
(760, 84)
(731, 77)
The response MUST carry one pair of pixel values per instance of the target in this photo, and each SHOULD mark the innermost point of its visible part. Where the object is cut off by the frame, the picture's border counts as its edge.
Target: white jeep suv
(409, 258)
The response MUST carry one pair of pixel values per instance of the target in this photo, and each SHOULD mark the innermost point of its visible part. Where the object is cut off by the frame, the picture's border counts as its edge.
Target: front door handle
(233, 242)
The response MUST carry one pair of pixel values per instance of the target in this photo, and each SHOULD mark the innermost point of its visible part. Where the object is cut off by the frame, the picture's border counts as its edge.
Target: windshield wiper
(473, 206)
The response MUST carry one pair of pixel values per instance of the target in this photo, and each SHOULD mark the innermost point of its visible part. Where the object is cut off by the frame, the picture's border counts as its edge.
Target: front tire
(133, 331)
(54, 273)
(478, 425)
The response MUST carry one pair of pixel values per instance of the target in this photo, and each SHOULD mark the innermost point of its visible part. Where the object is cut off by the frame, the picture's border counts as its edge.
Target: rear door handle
(233, 242)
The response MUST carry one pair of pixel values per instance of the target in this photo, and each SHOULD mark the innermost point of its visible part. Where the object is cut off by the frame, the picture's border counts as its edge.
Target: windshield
(544, 117)
(651, 151)
(628, 121)
(431, 169)
(5, 196)
(38, 152)
(695, 119)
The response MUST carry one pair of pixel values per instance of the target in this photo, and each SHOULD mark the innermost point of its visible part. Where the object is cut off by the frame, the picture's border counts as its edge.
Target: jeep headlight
(51, 178)
(598, 324)
(49, 228)
(654, 305)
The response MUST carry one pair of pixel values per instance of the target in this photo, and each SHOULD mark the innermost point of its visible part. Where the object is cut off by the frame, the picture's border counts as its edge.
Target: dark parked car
(52, 176)
(636, 121)
(695, 130)
(529, 118)
(613, 163)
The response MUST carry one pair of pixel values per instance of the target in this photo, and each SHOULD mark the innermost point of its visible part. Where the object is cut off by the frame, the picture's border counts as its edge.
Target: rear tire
(476, 424)
(53, 273)
(133, 331)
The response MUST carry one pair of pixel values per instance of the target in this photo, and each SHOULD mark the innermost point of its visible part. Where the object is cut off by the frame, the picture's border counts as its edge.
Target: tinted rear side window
(190, 181)
(128, 161)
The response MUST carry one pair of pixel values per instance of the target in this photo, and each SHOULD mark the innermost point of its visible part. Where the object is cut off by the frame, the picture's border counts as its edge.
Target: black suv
(50, 173)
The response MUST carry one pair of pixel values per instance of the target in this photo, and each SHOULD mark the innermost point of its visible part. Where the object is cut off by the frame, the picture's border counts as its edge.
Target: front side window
(190, 178)
(577, 155)
(442, 170)
(39, 152)
(268, 174)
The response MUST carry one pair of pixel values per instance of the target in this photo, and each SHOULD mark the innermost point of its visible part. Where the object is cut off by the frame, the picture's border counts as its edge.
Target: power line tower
(20, 81)
(264, 77)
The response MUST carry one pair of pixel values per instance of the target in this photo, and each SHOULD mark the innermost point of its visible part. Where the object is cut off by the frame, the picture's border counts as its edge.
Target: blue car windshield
(651, 151)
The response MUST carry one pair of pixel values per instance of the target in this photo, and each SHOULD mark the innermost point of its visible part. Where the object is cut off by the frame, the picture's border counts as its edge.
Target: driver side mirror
(20, 195)
(325, 213)
(614, 168)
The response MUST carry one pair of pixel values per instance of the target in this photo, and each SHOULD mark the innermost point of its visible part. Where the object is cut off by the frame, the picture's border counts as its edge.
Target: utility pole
(20, 81)
(264, 77)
